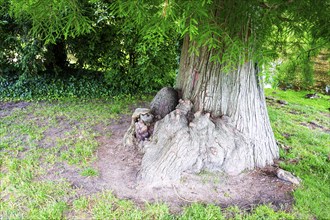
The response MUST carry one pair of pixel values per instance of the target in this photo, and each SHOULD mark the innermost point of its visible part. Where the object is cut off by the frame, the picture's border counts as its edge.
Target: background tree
(49, 34)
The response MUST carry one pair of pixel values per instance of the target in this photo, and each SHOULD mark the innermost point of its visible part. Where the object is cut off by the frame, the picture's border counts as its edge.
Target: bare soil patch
(6, 108)
(313, 125)
(118, 169)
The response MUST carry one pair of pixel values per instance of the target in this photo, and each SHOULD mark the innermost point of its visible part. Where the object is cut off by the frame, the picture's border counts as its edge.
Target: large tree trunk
(230, 130)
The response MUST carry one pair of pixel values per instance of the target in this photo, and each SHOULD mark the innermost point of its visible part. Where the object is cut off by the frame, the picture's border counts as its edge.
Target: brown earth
(313, 125)
(118, 169)
(6, 108)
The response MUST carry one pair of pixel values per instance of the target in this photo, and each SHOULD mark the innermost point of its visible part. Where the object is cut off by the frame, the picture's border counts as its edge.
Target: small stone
(282, 102)
(287, 176)
(312, 96)
(141, 131)
(270, 98)
(140, 111)
(147, 118)
(164, 102)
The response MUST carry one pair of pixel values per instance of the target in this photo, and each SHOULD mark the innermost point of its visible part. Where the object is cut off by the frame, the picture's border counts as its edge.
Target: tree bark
(230, 130)
(238, 95)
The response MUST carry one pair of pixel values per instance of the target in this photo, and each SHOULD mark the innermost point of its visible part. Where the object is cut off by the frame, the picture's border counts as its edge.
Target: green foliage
(89, 172)
(296, 61)
(231, 29)
(19, 53)
(131, 61)
(40, 35)
(52, 19)
(49, 88)
(295, 74)
(135, 42)
(198, 211)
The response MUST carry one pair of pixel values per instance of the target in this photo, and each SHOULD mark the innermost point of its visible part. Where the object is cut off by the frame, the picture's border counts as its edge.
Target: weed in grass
(89, 172)
(264, 212)
(199, 211)
(157, 211)
(81, 203)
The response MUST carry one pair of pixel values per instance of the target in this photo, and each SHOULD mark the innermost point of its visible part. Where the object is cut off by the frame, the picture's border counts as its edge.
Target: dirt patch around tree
(118, 169)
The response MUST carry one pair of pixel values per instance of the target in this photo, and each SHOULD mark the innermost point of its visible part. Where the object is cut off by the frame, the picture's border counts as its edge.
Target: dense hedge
(46, 87)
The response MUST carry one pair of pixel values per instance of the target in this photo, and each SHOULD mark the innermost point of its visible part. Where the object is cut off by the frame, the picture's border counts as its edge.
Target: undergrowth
(53, 88)
(75, 85)
(45, 134)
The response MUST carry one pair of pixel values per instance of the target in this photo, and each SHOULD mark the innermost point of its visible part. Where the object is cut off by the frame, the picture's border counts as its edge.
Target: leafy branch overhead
(232, 28)
(52, 19)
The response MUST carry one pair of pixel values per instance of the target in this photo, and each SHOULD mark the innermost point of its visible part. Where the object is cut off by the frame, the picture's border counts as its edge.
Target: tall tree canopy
(228, 26)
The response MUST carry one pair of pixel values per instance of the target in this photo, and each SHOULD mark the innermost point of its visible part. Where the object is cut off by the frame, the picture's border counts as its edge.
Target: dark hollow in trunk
(229, 130)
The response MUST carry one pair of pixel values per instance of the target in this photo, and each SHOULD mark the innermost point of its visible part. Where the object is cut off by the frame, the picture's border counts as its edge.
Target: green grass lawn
(28, 150)
(307, 151)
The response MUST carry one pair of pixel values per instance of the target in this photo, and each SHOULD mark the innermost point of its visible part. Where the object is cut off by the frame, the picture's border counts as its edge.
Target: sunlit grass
(309, 147)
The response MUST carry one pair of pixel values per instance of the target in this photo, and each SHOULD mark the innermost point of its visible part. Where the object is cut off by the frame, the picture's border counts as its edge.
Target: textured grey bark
(230, 130)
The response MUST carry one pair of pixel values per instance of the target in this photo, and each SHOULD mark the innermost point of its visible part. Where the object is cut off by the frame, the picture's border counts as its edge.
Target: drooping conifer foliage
(269, 28)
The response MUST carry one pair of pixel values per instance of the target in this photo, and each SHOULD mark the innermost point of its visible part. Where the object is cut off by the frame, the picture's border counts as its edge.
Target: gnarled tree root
(181, 144)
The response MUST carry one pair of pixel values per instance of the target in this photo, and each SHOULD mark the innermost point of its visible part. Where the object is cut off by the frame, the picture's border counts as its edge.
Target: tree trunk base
(182, 142)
